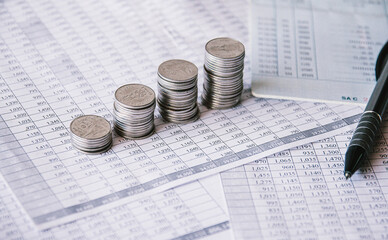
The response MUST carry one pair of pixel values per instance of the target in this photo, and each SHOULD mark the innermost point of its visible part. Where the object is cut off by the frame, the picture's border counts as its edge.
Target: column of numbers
(264, 194)
(79, 165)
(342, 193)
(36, 145)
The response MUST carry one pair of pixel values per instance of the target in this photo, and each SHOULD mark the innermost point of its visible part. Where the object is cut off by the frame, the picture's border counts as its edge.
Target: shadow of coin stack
(223, 73)
(134, 111)
(177, 91)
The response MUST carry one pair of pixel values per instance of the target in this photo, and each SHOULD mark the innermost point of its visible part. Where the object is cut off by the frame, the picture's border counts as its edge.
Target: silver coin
(178, 91)
(96, 151)
(182, 117)
(129, 135)
(91, 134)
(90, 127)
(177, 70)
(133, 111)
(135, 95)
(177, 86)
(225, 48)
(223, 73)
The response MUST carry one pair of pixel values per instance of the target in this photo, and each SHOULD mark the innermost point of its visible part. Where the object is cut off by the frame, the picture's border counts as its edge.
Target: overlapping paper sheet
(186, 212)
(63, 59)
(301, 193)
(316, 50)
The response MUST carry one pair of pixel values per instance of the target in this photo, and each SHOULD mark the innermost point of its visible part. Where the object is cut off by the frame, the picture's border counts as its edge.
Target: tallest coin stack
(223, 75)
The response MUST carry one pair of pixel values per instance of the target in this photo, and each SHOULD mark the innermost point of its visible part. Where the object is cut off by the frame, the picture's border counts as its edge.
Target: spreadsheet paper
(302, 193)
(317, 50)
(63, 59)
(186, 212)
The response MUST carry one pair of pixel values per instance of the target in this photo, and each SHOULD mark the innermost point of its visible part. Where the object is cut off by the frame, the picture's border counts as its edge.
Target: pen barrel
(366, 131)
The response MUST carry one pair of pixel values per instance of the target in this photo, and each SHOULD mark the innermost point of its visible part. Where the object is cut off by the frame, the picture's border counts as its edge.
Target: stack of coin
(178, 92)
(91, 134)
(134, 111)
(223, 73)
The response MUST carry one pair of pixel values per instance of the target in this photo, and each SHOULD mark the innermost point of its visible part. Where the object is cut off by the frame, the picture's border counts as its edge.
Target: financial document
(186, 212)
(317, 50)
(63, 59)
(14, 221)
(302, 193)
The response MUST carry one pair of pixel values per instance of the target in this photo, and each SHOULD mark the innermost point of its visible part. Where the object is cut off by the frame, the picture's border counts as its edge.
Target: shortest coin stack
(177, 91)
(91, 134)
(223, 73)
(134, 111)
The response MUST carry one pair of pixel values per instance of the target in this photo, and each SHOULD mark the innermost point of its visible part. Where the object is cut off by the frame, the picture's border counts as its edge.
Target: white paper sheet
(62, 59)
(317, 50)
(302, 194)
(186, 212)
(14, 221)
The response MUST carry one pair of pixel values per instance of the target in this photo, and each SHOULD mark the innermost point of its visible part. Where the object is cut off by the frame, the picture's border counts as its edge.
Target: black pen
(362, 141)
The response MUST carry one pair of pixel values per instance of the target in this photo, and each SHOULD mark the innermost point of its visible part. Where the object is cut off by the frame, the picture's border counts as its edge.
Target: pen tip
(347, 175)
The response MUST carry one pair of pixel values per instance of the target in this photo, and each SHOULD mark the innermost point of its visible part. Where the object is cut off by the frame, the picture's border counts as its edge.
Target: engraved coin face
(135, 95)
(90, 127)
(225, 48)
(178, 70)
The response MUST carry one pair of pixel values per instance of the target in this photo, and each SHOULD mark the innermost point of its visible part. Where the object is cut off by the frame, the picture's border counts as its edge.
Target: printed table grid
(71, 69)
(302, 193)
